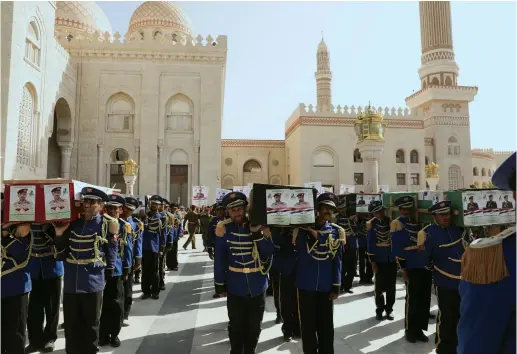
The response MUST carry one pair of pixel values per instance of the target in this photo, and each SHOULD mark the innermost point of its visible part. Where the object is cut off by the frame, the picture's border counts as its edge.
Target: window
(401, 179)
(227, 182)
(120, 108)
(454, 177)
(357, 156)
(32, 45)
(399, 156)
(25, 153)
(489, 173)
(415, 179)
(358, 179)
(252, 171)
(180, 110)
(483, 172)
(322, 158)
(426, 160)
(475, 171)
(413, 156)
(453, 147)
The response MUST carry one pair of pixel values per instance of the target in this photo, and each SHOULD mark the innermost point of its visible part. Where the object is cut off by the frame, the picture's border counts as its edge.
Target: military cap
(165, 202)
(375, 206)
(328, 198)
(234, 199)
(490, 196)
(279, 194)
(174, 205)
(94, 193)
(116, 200)
(155, 199)
(300, 194)
(443, 207)
(57, 189)
(504, 176)
(23, 190)
(471, 197)
(131, 203)
(405, 202)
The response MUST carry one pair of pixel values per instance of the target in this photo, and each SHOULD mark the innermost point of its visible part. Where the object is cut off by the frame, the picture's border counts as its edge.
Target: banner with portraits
(346, 189)
(243, 189)
(220, 193)
(315, 185)
(22, 203)
(57, 201)
(200, 196)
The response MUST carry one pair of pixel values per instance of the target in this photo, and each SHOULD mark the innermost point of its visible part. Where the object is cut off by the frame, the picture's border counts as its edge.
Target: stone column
(130, 183)
(66, 155)
(371, 152)
(195, 166)
(137, 158)
(100, 164)
(433, 183)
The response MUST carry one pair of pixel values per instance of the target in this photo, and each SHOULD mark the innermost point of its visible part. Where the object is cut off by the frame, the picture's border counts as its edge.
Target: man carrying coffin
(242, 259)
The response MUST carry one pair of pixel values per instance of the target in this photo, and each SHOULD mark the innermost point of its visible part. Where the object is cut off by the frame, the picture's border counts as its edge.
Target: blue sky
(374, 52)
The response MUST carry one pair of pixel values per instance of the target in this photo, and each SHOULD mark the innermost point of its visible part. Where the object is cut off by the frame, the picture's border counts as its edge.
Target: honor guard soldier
(112, 313)
(242, 260)
(16, 285)
(487, 286)
(219, 212)
(444, 245)
(137, 227)
(285, 259)
(163, 241)
(45, 299)
(171, 231)
(359, 222)
(89, 247)
(318, 276)
(172, 255)
(349, 249)
(153, 239)
(413, 261)
(383, 262)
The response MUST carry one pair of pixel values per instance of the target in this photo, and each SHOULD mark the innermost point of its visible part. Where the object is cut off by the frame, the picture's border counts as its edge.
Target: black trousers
(289, 305)
(365, 267)
(418, 300)
(128, 294)
(274, 275)
(349, 262)
(150, 276)
(172, 256)
(82, 314)
(385, 282)
(14, 320)
(245, 314)
(44, 302)
(446, 339)
(112, 308)
(161, 268)
(317, 322)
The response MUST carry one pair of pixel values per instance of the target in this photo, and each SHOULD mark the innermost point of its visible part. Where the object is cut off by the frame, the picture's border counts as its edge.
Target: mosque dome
(162, 15)
(74, 16)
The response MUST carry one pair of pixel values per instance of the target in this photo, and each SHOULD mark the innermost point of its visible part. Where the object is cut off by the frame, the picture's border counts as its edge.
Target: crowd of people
(91, 264)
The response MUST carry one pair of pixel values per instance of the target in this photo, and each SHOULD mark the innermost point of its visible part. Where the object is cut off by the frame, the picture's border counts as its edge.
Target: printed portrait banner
(220, 193)
(316, 185)
(22, 203)
(472, 213)
(363, 201)
(200, 196)
(243, 189)
(57, 201)
(346, 188)
(290, 206)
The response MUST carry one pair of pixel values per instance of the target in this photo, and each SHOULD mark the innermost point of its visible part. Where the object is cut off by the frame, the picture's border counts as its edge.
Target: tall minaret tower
(323, 78)
(441, 103)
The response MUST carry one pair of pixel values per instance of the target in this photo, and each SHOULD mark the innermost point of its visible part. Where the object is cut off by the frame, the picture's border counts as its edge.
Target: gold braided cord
(16, 265)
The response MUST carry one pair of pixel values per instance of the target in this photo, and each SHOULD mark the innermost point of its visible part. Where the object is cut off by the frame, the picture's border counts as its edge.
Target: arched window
(322, 158)
(25, 151)
(357, 156)
(475, 171)
(121, 112)
(180, 110)
(413, 156)
(227, 182)
(275, 180)
(454, 177)
(252, 171)
(448, 81)
(33, 44)
(435, 81)
(118, 156)
(453, 147)
(400, 157)
(483, 172)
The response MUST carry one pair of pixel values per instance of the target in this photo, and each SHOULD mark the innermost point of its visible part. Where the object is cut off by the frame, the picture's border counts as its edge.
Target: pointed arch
(120, 109)
(26, 149)
(179, 114)
(252, 172)
(400, 156)
(228, 182)
(454, 175)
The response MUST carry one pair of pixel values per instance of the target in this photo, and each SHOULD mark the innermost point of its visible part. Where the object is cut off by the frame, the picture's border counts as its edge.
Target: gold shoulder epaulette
(421, 236)
(483, 261)
(396, 225)
(341, 232)
(128, 227)
(113, 224)
(369, 224)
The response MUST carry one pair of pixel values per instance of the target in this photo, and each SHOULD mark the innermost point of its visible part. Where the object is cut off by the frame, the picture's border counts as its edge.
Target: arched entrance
(60, 142)
(117, 157)
(252, 172)
(179, 184)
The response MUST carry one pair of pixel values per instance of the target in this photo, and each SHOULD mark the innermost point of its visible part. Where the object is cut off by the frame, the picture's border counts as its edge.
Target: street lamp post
(130, 170)
(432, 175)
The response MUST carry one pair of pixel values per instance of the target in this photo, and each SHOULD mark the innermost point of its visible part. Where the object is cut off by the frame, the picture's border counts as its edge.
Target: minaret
(438, 65)
(323, 78)
(441, 103)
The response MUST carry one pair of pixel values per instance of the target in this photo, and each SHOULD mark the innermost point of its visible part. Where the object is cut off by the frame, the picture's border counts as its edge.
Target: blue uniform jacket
(241, 260)
(404, 244)
(285, 252)
(164, 236)
(125, 249)
(487, 321)
(319, 261)
(360, 231)
(348, 225)
(15, 274)
(89, 248)
(179, 227)
(43, 263)
(211, 233)
(444, 248)
(137, 228)
(154, 234)
(379, 241)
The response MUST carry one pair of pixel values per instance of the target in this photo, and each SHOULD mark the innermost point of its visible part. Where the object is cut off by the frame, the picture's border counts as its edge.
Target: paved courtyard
(186, 319)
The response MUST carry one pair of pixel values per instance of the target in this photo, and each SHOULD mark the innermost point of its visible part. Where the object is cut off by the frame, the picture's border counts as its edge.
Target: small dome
(162, 15)
(81, 16)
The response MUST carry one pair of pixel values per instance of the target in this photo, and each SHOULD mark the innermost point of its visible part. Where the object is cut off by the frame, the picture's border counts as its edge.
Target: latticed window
(179, 114)
(399, 156)
(401, 179)
(25, 128)
(415, 179)
(453, 147)
(454, 177)
(413, 156)
(32, 45)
